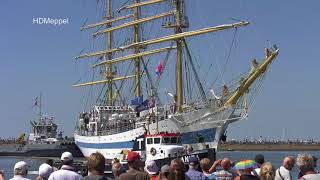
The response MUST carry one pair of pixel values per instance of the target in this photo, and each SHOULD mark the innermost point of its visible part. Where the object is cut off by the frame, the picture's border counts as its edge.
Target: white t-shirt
(283, 175)
(19, 177)
(64, 174)
(257, 172)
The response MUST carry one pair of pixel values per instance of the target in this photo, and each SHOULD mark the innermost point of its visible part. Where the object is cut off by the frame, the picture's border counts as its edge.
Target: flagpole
(40, 113)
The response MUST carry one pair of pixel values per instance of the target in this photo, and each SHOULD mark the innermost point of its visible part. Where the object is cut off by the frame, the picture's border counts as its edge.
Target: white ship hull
(201, 129)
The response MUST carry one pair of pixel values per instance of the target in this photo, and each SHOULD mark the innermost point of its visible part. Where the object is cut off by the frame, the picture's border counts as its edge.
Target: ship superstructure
(120, 121)
(44, 140)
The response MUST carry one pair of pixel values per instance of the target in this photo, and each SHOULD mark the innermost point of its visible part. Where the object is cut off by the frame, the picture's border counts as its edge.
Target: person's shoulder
(19, 178)
(212, 177)
(142, 175)
(96, 178)
(62, 172)
(310, 176)
(124, 176)
(203, 177)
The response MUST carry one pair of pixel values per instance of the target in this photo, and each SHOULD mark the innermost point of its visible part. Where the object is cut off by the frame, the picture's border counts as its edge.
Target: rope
(229, 54)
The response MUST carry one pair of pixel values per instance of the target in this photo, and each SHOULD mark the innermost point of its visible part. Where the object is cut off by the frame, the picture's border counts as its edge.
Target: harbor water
(275, 157)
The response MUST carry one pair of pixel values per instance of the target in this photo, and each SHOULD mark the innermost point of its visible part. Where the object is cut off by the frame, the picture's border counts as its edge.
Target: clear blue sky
(39, 58)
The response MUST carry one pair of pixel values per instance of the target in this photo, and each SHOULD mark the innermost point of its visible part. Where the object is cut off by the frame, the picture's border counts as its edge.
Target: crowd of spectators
(272, 141)
(176, 169)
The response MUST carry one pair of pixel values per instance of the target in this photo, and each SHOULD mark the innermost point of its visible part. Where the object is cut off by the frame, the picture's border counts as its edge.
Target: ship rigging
(122, 115)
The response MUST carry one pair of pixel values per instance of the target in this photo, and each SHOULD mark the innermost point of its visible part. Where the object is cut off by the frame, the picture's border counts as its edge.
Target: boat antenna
(40, 108)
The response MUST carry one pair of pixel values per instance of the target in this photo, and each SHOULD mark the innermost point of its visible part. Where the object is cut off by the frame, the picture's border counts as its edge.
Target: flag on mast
(159, 69)
(35, 102)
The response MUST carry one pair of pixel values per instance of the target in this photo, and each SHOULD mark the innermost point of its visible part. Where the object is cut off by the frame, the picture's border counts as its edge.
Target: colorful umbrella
(245, 164)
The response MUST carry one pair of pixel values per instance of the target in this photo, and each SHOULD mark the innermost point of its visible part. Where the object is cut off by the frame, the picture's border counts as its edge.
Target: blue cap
(193, 160)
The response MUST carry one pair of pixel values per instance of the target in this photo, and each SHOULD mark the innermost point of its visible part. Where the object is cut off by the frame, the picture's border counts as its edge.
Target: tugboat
(43, 141)
(163, 147)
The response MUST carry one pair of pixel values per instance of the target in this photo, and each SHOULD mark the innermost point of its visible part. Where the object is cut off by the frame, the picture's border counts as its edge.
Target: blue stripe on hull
(207, 135)
(115, 145)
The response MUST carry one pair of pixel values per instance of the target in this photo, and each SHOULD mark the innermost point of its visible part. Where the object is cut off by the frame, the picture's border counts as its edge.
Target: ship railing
(114, 108)
(107, 129)
(209, 103)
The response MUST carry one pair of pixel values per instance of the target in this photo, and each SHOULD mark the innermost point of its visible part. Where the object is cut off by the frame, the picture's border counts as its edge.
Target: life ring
(153, 151)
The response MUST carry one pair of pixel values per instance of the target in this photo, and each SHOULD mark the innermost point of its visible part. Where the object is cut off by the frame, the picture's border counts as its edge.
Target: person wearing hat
(152, 169)
(164, 172)
(193, 172)
(67, 171)
(44, 171)
(20, 171)
(134, 163)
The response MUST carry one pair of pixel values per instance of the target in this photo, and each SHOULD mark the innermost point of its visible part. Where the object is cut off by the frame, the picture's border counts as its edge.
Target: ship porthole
(153, 151)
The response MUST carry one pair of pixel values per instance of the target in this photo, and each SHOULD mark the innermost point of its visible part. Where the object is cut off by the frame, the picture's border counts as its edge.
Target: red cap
(132, 156)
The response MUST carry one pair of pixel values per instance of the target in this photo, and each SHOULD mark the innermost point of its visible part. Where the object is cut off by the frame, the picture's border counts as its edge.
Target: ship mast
(136, 50)
(141, 47)
(249, 80)
(109, 55)
(179, 77)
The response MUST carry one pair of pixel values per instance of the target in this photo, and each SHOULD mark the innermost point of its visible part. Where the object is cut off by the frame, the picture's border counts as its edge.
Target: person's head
(134, 160)
(96, 164)
(45, 170)
(225, 164)
(117, 169)
(259, 159)
(67, 158)
(165, 172)
(177, 169)
(50, 162)
(177, 165)
(288, 162)
(193, 162)
(21, 168)
(1, 175)
(305, 163)
(205, 164)
(267, 171)
(151, 167)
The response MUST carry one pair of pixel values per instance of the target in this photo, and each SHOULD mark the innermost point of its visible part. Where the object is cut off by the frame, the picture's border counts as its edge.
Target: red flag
(159, 68)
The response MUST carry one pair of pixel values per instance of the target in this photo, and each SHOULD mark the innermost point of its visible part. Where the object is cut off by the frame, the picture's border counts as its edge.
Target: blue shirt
(195, 175)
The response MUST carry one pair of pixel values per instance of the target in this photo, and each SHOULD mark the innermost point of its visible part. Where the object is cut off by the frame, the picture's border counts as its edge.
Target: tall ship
(145, 46)
(44, 140)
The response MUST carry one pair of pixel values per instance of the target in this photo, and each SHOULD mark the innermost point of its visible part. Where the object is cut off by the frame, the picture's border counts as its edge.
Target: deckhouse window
(156, 140)
(173, 140)
(149, 141)
(166, 140)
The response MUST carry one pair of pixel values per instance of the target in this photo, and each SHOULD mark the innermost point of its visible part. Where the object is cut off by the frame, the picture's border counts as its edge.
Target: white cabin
(164, 145)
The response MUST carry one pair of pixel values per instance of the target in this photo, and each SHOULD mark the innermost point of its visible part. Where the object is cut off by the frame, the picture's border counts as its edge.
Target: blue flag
(137, 101)
(143, 106)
